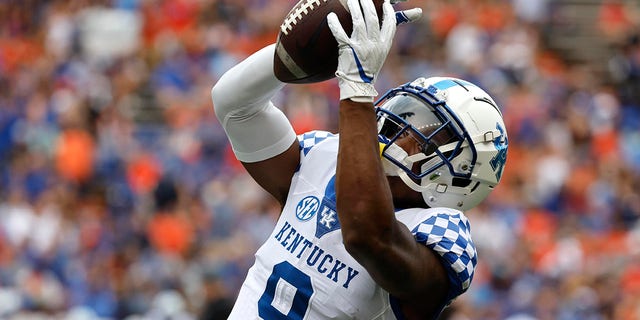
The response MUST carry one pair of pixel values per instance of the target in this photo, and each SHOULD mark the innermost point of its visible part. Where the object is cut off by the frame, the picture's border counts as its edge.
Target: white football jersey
(303, 270)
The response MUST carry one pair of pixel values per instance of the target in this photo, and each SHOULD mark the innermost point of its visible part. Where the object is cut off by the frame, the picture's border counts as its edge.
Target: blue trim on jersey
(310, 139)
(327, 218)
(449, 235)
(330, 190)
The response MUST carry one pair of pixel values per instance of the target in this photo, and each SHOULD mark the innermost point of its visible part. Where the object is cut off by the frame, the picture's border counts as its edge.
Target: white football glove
(361, 57)
(407, 16)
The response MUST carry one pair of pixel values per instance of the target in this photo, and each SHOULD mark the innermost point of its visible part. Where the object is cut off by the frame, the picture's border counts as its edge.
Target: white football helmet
(459, 131)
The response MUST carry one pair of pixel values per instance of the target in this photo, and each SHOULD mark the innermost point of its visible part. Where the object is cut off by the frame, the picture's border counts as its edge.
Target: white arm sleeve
(256, 129)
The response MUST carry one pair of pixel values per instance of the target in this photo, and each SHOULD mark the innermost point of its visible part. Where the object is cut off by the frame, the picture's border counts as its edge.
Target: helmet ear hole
(460, 182)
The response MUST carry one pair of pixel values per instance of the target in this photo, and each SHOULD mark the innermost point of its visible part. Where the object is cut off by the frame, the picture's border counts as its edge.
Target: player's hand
(407, 16)
(361, 57)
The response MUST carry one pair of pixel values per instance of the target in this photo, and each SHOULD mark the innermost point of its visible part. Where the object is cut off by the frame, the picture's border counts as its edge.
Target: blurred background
(120, 198)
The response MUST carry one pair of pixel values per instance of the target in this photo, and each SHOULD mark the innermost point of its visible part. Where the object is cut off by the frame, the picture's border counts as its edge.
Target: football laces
(297, 13)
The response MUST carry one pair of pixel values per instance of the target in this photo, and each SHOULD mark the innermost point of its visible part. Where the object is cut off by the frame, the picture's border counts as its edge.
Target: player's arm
(260, 134)
(409, 270)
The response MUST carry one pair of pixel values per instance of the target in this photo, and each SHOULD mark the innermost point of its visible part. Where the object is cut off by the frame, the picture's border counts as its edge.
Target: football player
(372, 223)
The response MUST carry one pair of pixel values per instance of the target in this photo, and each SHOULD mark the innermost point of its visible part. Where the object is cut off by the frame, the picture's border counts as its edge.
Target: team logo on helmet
(500, 159)
(307, 208)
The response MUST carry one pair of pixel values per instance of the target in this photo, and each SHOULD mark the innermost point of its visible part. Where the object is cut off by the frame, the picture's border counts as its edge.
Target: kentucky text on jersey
(324, 263)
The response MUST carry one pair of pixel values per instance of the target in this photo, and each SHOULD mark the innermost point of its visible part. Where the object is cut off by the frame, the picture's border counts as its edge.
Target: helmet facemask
(422, 138)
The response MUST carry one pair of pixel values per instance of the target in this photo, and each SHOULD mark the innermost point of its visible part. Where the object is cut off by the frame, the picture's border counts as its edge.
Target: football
(306, 50)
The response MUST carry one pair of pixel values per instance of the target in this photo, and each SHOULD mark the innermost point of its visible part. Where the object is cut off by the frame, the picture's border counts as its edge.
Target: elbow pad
(256, 129)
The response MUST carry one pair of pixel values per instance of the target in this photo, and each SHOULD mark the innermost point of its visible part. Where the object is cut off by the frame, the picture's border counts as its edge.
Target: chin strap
(398, 154)
(395, 152)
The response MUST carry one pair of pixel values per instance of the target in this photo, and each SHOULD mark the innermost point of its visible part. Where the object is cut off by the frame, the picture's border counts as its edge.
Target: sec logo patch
(307, 208)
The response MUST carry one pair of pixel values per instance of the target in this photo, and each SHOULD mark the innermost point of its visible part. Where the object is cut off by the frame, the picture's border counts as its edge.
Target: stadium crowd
(120, 198)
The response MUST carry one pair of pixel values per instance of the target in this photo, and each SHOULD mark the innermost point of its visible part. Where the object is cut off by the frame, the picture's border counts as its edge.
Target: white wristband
(356, 91)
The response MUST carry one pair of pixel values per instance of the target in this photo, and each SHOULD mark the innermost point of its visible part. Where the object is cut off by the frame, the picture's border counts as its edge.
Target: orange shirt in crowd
(74, 155)
(170, 233)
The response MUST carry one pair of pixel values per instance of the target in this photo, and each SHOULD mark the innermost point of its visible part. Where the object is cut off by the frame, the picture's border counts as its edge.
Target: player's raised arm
(410, 271)
(260, 134)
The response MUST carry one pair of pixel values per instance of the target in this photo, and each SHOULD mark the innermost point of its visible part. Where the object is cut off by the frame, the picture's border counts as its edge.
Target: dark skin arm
(274, 174)
(408, 270)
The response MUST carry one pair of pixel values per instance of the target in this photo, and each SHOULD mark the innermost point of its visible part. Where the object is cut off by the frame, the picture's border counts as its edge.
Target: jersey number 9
(287, 294)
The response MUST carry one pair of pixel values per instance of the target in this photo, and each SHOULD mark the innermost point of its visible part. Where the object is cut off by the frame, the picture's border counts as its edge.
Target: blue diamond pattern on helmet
(450, 236)
(309, 139)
